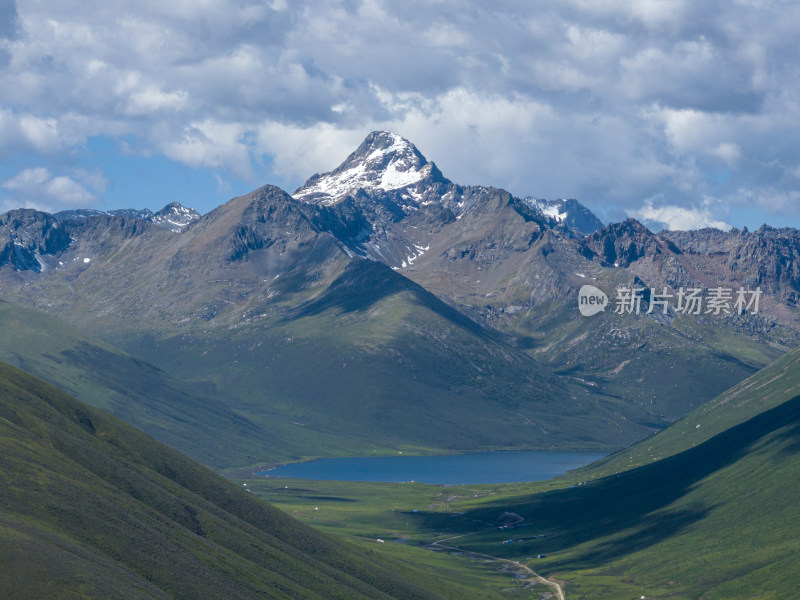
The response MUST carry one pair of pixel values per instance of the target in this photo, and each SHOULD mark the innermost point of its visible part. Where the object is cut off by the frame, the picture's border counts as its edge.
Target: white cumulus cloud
(605, 101)
(38, 188)
(667, 216)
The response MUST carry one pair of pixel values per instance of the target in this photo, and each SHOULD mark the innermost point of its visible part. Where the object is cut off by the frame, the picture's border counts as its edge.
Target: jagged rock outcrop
(621, 244)
(27, 235)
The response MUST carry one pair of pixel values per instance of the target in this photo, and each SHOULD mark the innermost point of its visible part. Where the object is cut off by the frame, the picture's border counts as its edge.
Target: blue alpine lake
(481, 467)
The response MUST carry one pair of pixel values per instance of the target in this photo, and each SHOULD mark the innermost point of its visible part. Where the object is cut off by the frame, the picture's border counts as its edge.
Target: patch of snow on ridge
(340, 184)
(552, 211)
(548, 209)
(420, 250)
(393, 178)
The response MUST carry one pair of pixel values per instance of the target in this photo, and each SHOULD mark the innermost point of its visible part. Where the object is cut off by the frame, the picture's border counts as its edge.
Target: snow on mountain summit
(383, 162)
(175, 217)
(387, 170)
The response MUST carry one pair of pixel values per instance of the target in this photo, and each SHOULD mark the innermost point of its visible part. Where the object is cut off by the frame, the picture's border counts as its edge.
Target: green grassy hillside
(92, 508)
(767, 389)
(187, 417)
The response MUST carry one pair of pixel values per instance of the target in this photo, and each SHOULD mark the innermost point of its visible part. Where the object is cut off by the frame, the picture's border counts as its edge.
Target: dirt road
(559, 591)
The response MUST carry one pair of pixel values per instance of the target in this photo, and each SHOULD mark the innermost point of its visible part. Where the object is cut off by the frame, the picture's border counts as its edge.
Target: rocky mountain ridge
(479, 247)
(174, 216)
(767, 258)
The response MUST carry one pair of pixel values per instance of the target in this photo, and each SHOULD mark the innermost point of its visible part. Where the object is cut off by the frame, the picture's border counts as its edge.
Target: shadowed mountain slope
(90, 507)
(187, 417)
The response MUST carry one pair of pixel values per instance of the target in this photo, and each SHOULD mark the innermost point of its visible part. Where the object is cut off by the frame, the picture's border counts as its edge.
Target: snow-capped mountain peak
(175, 216)
(383, 162)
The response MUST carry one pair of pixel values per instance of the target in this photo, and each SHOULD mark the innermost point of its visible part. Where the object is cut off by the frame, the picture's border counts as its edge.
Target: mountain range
(174, 216)
(381, 301)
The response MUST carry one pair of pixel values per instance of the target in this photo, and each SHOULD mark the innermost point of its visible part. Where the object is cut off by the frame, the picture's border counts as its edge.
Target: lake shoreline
(466, 468)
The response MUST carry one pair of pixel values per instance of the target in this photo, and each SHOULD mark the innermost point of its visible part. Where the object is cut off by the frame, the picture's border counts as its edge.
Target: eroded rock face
(768, 258)
(28, 234)
(771, 259)
(704, 241)
(621, 244)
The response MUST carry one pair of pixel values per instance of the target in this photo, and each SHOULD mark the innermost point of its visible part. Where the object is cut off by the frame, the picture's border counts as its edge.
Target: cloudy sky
(681, 113)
